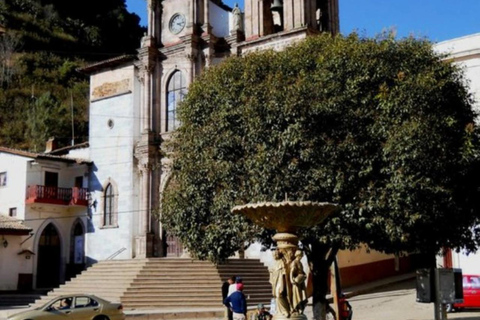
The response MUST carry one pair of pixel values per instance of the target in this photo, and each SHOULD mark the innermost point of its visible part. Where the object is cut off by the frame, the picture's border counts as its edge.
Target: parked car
(471, 293)
(74, 307)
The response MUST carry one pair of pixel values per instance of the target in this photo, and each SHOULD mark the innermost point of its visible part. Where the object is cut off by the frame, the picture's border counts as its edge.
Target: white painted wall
(111, 149)
(23, 172)
(13, 194)
(11, 264)
(220, 20)
(81, 153)
(465, 52)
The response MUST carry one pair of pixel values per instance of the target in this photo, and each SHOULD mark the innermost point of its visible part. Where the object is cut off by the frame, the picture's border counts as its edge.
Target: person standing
(225, 290)
(237, 303)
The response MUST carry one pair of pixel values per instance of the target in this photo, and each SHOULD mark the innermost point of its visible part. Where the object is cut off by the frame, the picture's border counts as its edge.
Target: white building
(465, 52)
(43, 208)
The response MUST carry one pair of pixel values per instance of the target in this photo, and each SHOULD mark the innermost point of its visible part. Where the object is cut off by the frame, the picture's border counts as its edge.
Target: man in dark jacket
(225, 287)
(237, 303)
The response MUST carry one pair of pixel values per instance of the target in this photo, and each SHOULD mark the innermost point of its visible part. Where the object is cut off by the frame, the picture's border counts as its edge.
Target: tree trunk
(320, 257)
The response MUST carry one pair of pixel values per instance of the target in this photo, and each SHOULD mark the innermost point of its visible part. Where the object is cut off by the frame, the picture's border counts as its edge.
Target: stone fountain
(287, 277)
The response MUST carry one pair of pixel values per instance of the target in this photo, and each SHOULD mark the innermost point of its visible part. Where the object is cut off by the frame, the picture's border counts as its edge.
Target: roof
(43, 156)
(222, 5)
(110, 63)
(12, 226)
(65, 150)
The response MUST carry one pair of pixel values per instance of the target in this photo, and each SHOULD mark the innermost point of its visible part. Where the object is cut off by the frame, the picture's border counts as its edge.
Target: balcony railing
(53, 195)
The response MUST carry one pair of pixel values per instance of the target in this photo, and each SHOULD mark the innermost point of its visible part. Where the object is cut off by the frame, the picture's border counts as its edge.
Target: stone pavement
(217, 313)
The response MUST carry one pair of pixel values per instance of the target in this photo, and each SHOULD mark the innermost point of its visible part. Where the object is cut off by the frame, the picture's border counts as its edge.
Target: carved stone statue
(287, 276)
(278, 277)
(298, 279)
(237, 24)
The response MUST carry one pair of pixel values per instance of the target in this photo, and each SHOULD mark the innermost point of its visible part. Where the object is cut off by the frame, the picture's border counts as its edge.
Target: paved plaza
(390, 302)
(397, 302)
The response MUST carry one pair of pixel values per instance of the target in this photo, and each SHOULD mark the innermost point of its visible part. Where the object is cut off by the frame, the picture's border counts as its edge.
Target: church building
(134, 101)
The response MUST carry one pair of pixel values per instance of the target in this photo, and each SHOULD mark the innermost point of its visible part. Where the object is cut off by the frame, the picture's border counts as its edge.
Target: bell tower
(265, 17)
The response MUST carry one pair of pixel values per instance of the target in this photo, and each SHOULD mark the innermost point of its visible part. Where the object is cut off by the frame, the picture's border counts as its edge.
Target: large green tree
(383, 127)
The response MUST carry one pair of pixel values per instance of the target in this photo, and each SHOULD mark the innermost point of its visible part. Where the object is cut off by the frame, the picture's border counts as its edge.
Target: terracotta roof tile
(9, 224)
(44, 156)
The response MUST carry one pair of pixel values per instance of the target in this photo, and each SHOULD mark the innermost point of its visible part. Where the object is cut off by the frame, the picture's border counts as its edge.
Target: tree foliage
(45, 43)
(383, 127)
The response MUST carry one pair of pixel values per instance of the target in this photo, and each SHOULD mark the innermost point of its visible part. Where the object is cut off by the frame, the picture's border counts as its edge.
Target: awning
(12, 226)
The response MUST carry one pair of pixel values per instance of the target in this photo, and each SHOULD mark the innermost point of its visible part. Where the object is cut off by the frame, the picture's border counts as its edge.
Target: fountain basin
(287, 216)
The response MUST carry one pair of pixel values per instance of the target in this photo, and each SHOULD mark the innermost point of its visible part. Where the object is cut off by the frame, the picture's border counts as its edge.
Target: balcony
(60, 196)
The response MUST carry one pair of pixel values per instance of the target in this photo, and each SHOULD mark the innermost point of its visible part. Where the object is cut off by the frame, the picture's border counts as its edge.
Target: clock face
(177, 23)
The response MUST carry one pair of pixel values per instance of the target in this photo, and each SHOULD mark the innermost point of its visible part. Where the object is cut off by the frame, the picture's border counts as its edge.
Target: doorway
(77, 251)
(51, 184)
(49, 257)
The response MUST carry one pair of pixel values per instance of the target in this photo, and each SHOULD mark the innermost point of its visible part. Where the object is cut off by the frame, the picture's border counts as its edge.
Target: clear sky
(436, 20)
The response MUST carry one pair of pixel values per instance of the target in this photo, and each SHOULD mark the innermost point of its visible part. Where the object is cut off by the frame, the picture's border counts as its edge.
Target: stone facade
(133, 101)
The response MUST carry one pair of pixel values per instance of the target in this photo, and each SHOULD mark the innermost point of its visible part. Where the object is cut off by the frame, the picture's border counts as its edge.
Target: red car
(471, 293)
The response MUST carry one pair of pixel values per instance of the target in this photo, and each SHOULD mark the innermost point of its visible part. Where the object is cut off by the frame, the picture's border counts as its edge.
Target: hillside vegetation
(45, 42)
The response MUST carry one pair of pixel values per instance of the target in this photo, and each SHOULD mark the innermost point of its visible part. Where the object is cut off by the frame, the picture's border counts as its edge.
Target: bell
(277, 5)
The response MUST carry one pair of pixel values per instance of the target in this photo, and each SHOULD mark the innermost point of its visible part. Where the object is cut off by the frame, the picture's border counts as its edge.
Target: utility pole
(73, 127)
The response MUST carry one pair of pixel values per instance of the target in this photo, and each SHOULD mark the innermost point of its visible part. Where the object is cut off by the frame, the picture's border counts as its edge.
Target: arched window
(176, 90)
(108, 206)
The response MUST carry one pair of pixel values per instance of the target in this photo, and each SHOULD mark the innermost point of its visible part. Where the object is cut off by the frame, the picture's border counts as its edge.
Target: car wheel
(450, 307)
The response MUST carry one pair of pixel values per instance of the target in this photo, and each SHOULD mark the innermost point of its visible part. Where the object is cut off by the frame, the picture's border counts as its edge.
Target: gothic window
(108, 206)
(176, 90)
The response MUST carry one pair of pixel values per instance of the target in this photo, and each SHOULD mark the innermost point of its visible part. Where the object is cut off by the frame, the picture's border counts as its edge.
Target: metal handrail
(116, 253)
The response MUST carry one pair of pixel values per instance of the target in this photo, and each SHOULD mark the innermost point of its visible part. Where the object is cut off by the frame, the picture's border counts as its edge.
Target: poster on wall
(78, 256)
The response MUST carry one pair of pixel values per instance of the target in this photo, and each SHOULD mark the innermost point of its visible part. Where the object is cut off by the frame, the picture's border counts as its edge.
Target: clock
(177, 23)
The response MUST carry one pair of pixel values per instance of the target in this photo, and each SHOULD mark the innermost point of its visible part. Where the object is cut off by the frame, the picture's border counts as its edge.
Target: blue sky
(436, 20)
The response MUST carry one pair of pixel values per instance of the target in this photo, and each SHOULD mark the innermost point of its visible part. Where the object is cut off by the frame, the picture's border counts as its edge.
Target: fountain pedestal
(287, 276)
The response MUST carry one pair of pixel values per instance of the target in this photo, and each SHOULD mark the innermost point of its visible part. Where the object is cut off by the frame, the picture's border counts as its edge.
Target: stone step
(90, 284)
(131, 296)
(190, 303)
(166, 314)
(14, 300)
(193, 277)
(176, 273)
(166, 287)
(120, 272)
(130, 304)
(167, 282)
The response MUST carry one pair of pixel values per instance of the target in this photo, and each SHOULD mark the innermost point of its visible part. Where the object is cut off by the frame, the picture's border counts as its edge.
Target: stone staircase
(167, 283)
(14, 299)
(105, 279)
